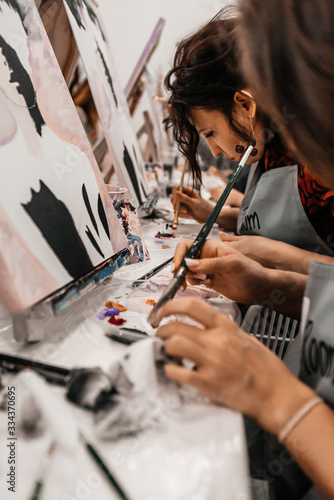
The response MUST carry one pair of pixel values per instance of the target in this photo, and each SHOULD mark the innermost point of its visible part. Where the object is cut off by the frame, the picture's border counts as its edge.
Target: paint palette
(140, 300)
(116, 291)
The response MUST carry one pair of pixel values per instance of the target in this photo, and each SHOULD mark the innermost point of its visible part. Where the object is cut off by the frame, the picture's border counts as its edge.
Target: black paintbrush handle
(202, 235)
(151, 273)
(193, 251)
(15, 360)
(109, 475)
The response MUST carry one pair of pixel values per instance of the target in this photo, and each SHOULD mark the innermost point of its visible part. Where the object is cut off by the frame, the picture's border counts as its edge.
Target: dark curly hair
(205, 75)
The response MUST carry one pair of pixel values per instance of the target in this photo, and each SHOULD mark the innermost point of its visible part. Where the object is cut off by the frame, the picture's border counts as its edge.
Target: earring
(241, 149)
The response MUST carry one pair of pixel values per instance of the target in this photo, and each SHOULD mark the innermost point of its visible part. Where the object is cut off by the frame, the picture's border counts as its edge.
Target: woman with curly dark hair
(288, 58)
(209, 97)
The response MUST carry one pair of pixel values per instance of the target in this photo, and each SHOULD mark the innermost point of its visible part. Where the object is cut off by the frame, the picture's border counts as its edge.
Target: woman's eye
(209, 134)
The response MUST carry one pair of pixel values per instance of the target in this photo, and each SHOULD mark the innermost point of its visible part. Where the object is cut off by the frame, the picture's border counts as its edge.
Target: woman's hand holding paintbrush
(194, 250)
(190, 204)
(222, 268)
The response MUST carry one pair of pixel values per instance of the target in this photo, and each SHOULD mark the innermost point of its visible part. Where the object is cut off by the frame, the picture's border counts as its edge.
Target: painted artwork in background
(109, 97)
(127, 213)
(57, 221)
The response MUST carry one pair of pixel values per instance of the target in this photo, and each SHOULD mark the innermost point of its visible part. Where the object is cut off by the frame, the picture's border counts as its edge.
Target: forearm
(311, 444)
(283, 291)
(290, 258)
(227, 219)
(234, 198)
(311, 440)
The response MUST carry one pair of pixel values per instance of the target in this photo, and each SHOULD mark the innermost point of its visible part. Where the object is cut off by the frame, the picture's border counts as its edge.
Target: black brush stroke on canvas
(94, 242)
(141, 183)
(102, 215)
(25, 86)
(56, 224)
(75, 5)
(107, 73)
(89, 208)
(14, 4)
(131, 171)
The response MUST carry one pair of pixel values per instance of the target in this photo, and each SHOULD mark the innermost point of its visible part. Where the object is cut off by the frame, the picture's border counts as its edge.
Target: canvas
(109, 97)
(57, 221)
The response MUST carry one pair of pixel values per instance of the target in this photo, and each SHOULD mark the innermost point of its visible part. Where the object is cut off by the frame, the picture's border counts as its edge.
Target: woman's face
(213, 126)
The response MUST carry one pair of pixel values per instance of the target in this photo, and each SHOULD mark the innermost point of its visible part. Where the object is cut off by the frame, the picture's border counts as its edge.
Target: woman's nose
(215, 149)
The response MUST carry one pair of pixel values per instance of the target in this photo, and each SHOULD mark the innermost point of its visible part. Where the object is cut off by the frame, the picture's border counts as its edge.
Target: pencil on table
(177, 205)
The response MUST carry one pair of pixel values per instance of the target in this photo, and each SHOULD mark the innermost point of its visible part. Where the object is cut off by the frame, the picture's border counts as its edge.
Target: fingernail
(201, 277)
(191, 263)
(172, 267)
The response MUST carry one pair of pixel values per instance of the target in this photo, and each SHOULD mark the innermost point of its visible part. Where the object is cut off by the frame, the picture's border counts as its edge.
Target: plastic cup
(116, 193)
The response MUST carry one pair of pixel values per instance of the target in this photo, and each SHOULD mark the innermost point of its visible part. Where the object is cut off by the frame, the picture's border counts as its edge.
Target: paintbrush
(52, 373)
(195, 248)
(106, 471)
(177, 205)
(38, 486)
(151, 273)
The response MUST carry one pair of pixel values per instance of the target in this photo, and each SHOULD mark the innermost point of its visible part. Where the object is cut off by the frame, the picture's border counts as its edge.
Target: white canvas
(53, 227)
(108, 95)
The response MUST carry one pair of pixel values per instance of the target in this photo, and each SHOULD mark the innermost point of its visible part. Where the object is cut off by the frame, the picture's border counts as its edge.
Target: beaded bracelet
(297, 417)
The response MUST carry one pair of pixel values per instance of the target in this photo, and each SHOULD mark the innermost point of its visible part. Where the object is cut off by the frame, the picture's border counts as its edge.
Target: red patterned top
(318, 201)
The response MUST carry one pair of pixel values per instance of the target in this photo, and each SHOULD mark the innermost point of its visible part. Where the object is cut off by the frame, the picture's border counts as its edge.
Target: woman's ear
(245, 100)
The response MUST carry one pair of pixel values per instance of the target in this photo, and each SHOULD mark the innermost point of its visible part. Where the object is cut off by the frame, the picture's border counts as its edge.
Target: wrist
(283, 405)
(227, 219)
(281, 290)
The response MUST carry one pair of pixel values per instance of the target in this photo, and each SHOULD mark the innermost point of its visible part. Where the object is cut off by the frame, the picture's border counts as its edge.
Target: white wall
(129, 25)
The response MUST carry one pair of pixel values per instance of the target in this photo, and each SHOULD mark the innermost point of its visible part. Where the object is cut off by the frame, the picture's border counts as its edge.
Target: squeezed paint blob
(112, 311)
(116, 320)
(150, 302)
(111, 303)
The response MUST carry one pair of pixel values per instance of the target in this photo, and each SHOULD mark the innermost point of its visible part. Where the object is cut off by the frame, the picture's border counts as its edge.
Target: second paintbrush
(195, 248)
(177, 205)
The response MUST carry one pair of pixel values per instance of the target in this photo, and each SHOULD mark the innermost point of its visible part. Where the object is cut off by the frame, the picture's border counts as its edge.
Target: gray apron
(272, 208)
(311, 358)
(317, 354)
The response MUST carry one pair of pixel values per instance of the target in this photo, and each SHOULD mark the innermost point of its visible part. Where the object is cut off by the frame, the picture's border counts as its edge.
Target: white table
(198, 455)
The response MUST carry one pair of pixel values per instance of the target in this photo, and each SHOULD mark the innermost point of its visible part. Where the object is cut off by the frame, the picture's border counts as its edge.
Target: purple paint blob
(111, 311)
